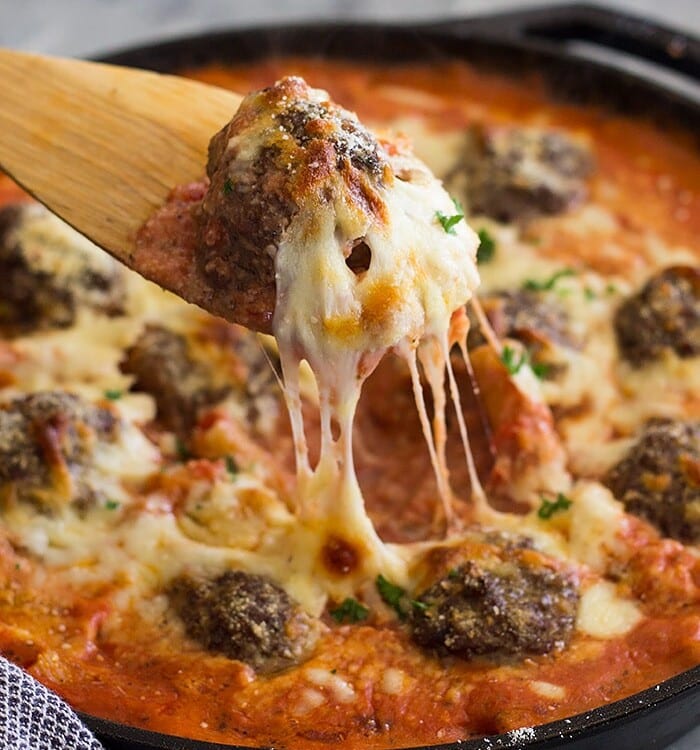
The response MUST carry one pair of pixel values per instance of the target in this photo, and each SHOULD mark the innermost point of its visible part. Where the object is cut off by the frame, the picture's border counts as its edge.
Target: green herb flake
(231, 465)
(449, 222)
(453, 574)
(390, 592)
(397, 598)
(112, 504)
(533, 285)
(589, 294)
(611, 289)
(113, 394)
(228, 187)
(540, 369)
(550, 507)
(181, 449)
(487, 247)
(512, 360)
(350, 611)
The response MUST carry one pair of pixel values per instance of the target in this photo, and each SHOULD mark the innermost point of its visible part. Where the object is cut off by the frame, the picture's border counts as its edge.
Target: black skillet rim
(491, 41)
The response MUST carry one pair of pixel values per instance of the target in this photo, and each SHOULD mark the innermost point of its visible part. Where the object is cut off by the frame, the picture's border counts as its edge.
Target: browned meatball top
(245, 616)
(510, 601)
(279, 153)
(163, 366)
(515, 174)
(39, 289)
(663, 315)
(47, 439)
(659, 478)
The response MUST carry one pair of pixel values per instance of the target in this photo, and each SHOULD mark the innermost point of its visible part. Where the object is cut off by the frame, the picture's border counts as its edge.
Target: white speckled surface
(81, 27)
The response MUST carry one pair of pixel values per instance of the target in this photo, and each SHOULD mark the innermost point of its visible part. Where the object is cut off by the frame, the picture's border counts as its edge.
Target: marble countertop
(84, 27)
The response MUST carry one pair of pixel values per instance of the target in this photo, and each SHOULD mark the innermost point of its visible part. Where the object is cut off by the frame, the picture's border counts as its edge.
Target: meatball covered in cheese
(659, 478)
(526, 316)
(265, 166)
(307, 210)
(48, 271)
(512, 601)
(47, 443)
(662, 316)
(245, 616)
(163, 366)
(515, 174)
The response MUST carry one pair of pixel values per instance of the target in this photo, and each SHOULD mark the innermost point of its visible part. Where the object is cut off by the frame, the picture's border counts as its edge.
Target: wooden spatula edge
(101, 145)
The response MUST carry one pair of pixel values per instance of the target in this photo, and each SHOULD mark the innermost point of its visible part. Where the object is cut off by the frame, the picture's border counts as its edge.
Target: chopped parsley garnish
(231, 465)
(533, 285)
(113, 394)
(611, 289)
(181, 449)
(449, 222)
(228, 187)
(589, 294)
(487, 247)
(112, 504)
(390, 592)
(514, 362)
(550, 507)
(397, 598)
(350, 611)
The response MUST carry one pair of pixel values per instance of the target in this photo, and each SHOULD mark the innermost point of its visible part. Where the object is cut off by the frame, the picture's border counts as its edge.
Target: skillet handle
(609, 29)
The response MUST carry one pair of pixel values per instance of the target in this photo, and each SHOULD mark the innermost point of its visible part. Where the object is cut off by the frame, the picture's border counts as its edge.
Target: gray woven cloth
(34, 718)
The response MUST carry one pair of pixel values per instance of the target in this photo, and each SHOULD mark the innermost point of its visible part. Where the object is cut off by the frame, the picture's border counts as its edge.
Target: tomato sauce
(147, 676)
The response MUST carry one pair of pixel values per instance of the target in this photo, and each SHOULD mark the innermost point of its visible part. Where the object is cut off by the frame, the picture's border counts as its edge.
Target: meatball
(162, 365)
(515, 174)
(526, 316)
(47, 271)
(282, 151)
(510, 603)
(47, 440)
(244, 616)
(663, 315)
(659, 478)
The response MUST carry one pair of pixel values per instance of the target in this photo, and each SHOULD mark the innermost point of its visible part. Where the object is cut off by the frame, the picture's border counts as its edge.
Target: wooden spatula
(101, 145)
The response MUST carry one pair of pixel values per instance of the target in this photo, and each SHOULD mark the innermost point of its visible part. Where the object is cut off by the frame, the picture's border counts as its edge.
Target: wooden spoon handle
(101, 145)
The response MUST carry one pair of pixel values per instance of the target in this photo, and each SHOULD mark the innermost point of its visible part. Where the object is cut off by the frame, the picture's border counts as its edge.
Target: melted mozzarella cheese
(332, 327)
(603, 613)
(341, 324)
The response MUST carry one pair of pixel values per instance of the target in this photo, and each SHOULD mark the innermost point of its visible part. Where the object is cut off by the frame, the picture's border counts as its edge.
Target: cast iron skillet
(514, 43)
